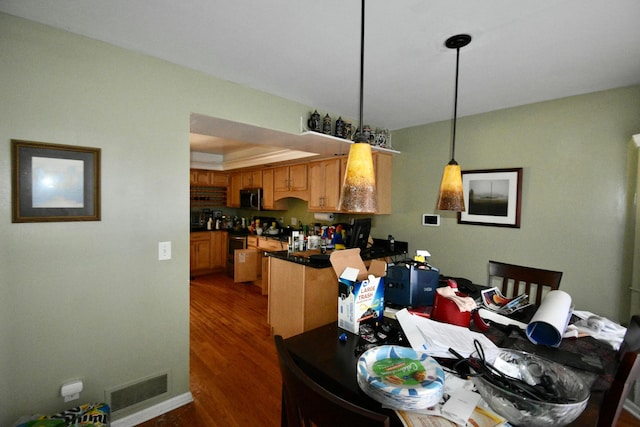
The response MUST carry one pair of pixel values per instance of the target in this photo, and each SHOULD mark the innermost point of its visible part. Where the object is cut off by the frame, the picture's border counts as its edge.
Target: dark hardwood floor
(235, 380)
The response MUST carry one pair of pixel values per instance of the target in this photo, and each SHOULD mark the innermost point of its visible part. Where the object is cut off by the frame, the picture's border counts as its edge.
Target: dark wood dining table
(332, 362)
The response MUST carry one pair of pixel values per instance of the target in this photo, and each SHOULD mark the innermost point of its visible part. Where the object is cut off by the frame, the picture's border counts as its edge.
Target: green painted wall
(91, 300)
(574, 202)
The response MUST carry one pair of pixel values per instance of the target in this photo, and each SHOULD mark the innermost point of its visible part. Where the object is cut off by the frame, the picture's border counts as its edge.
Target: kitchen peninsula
(303, 288)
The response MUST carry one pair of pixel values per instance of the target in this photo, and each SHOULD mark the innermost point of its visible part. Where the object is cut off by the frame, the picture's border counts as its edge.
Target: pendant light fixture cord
(455, 107)
(361, 137)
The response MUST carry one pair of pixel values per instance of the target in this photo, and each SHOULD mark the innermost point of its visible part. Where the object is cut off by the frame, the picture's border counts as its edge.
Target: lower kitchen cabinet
(245, 262)
(207, 252)
(300, 297)
(219, 241)
(200, 249)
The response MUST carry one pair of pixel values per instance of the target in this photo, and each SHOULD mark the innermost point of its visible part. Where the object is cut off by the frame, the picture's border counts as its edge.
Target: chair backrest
(517, 279)
(628, 372)
(305, 403)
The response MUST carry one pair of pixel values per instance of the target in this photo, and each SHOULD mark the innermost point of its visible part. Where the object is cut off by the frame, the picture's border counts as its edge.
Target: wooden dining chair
(305, 403)
(628, 373)
(517, 279)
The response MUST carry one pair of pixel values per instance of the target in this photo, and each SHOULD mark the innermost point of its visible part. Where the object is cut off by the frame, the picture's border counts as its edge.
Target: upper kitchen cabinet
(252, 178)
(291, 181)
(382, 162)
(233, 192)
(324, 185)
(207, 178)
(268, 192)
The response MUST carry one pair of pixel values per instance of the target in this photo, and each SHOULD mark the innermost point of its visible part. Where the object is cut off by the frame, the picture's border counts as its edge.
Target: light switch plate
(164, 251)
(431, 220)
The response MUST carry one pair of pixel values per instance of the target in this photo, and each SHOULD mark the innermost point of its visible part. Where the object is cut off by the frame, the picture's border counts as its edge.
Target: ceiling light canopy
(358, 193)
(451, 197)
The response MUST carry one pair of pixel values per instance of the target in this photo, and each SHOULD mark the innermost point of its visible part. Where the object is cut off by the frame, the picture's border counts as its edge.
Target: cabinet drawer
(252, 241)
(270, 245)
(200, 236)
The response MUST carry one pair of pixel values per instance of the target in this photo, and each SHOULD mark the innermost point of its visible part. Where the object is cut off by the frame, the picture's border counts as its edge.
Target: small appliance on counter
(411, 284)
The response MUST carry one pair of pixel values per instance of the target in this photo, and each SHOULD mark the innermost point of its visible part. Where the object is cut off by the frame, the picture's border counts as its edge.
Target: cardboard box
(360, 290)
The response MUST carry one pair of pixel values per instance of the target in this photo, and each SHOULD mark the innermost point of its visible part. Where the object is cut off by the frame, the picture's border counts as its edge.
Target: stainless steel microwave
(251, 198)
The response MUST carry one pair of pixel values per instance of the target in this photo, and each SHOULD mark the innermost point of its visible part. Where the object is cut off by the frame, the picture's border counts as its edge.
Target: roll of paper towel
(323, 216)
(548, 324)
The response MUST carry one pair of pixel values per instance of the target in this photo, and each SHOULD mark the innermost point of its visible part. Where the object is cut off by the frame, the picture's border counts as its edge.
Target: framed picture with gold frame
(492, 197)
(54, 182)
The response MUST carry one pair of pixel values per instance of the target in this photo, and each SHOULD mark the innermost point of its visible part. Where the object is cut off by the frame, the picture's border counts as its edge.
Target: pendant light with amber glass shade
(358, 193)
(451, 197)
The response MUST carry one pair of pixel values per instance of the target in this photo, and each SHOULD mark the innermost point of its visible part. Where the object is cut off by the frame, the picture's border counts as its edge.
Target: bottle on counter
(209, 224)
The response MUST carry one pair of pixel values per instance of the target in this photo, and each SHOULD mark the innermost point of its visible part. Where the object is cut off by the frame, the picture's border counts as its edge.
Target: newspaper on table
(436, 338)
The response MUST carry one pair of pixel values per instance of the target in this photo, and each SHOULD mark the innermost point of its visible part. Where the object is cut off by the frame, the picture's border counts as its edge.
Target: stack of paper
(436, 338)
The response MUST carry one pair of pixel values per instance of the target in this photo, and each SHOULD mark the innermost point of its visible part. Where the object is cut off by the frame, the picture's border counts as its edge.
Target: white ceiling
(309, 50)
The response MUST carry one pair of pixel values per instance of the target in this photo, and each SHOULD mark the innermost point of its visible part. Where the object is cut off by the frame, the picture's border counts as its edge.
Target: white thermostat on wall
(431, 220)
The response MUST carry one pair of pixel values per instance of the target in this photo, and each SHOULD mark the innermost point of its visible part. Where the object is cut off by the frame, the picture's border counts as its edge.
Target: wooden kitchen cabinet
(268, 195)
(200, 251)
(300, 297)
(233, 193)
(207, 178)
(324, 185)
(208, 251)
(198, 177)
(382, 163)
(291, 181)
(252, 179)
(245, 262)
(255, 275)
(219, 242)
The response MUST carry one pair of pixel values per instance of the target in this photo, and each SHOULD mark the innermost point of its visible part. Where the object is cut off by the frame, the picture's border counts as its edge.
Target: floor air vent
(130, 395)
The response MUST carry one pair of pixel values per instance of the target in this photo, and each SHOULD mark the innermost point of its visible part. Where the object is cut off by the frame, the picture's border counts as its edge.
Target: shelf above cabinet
(259, 146)
(320, 138)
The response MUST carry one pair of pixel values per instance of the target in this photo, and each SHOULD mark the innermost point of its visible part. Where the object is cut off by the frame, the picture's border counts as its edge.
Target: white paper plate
(400, 378)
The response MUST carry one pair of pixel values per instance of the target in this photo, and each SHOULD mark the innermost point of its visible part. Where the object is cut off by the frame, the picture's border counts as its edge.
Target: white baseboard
(153, 411)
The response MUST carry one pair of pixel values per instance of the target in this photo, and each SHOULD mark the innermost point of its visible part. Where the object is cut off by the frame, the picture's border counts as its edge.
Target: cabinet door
(200, 254)
(252, 179)
(264, 274)
(245, 262)
(298, 177)
(382, 163)
(324, 185)
(219, 250)
(316, 187)
(268, 193)
(199, 177)
(281, 179)
(233, 195)
(218, 179)
(332, 184)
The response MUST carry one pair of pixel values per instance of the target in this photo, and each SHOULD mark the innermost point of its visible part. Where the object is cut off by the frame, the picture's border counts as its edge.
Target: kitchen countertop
(303, 258)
